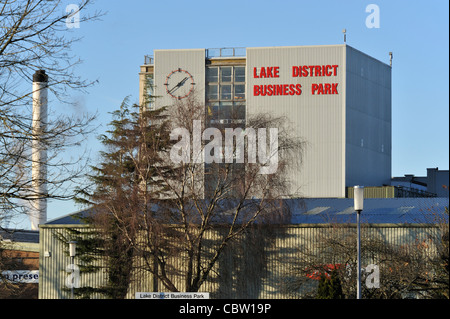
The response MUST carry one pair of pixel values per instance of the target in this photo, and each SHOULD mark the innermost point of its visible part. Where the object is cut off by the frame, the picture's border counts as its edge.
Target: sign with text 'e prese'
(21, 276)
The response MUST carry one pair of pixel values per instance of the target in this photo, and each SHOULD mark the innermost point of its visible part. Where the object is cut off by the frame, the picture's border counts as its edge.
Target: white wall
(166, 61)
(318, 119)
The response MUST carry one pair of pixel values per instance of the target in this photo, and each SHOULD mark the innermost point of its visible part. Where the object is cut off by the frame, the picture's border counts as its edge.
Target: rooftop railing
(211, 53)
(225, 52)
(148, 59)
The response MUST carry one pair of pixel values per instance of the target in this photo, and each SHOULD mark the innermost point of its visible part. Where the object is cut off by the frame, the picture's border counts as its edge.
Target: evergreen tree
(324, 287)
(329, 286)
(125, 185)
(335, 289)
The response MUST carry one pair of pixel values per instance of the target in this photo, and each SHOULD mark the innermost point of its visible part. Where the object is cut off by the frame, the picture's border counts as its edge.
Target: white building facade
(335, 98)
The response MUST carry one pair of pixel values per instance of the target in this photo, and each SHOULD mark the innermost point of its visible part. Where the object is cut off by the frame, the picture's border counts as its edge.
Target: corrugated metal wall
(166, 61)
(348, 134)
(261, 264)
(375, 192)
(54, 261)
(368, 120)
(317, 119)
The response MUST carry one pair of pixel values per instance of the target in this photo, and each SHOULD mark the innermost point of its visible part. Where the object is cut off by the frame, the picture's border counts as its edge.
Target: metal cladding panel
(167, 62)
(368, 120)
(316, 115)
(55, 271)
(259, 263)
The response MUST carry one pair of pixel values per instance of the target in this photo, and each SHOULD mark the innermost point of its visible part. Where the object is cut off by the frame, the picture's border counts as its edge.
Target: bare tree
(415, 267)
(224, 198)
(35, 35)
(177, 217)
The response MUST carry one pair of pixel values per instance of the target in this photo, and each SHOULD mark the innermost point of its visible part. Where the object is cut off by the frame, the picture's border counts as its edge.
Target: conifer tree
(329, 286)
(335, 286)
(125, 185)
(323, 289)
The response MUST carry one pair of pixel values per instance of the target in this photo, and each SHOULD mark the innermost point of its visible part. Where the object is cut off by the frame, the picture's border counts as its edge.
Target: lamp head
(72, 248)
(358, 195)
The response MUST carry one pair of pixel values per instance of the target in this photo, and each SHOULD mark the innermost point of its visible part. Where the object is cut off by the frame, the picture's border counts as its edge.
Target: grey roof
(75, 218)
(376, 210)
(340, 210)
(19, 235)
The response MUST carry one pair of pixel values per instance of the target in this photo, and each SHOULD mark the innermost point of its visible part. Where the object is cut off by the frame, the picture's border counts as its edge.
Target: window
(239, 110)
(212, 92)
(226, 110)
(212, 75)
(239, 74)
(225, 74)
(225, 93)
(239, 91)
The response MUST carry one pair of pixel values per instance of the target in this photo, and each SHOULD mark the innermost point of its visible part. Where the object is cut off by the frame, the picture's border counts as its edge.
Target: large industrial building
(259, 265)
(336, 98)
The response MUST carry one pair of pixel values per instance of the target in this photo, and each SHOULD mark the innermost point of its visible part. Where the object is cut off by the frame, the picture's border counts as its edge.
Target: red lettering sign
(275, 72)
(324, 70)
(324, 88)
(277, 89)
(314, 70)
(255, 75)
(266, 72)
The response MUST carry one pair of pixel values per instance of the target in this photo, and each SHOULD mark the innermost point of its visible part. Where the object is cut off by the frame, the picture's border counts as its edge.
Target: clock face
(179, 84)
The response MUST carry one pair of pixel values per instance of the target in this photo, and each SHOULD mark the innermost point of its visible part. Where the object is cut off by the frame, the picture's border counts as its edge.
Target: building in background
(19, 264)
(392, 221)
(336, 98)
(435, 184)
(437, 181)
(339, 101)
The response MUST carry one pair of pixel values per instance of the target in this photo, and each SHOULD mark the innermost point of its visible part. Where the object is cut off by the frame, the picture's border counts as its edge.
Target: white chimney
(38, 213)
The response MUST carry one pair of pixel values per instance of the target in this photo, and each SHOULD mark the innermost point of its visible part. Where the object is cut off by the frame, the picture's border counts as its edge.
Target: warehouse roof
(340, 210)
(72, 218)
(376, 210)
(19, 239)
(19, 235)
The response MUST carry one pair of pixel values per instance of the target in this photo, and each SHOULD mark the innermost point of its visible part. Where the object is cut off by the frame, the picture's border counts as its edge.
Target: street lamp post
(72, 253)
(358, 195)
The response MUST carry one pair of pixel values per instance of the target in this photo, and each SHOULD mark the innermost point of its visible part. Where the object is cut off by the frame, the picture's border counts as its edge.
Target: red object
(277, 89)
(316, 272)
(267, 72)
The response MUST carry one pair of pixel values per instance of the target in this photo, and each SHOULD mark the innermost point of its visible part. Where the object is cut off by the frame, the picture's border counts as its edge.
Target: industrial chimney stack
(38, 214)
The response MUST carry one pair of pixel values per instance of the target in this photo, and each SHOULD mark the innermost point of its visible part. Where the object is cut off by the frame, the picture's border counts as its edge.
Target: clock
(179, 84)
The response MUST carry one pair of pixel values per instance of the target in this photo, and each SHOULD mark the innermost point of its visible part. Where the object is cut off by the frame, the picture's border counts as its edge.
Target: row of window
(225, 83)
(217, 111)
(225, 74)
(225, 94)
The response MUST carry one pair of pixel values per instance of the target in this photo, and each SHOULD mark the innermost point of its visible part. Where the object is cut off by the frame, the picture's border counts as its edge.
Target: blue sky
(417, 32)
